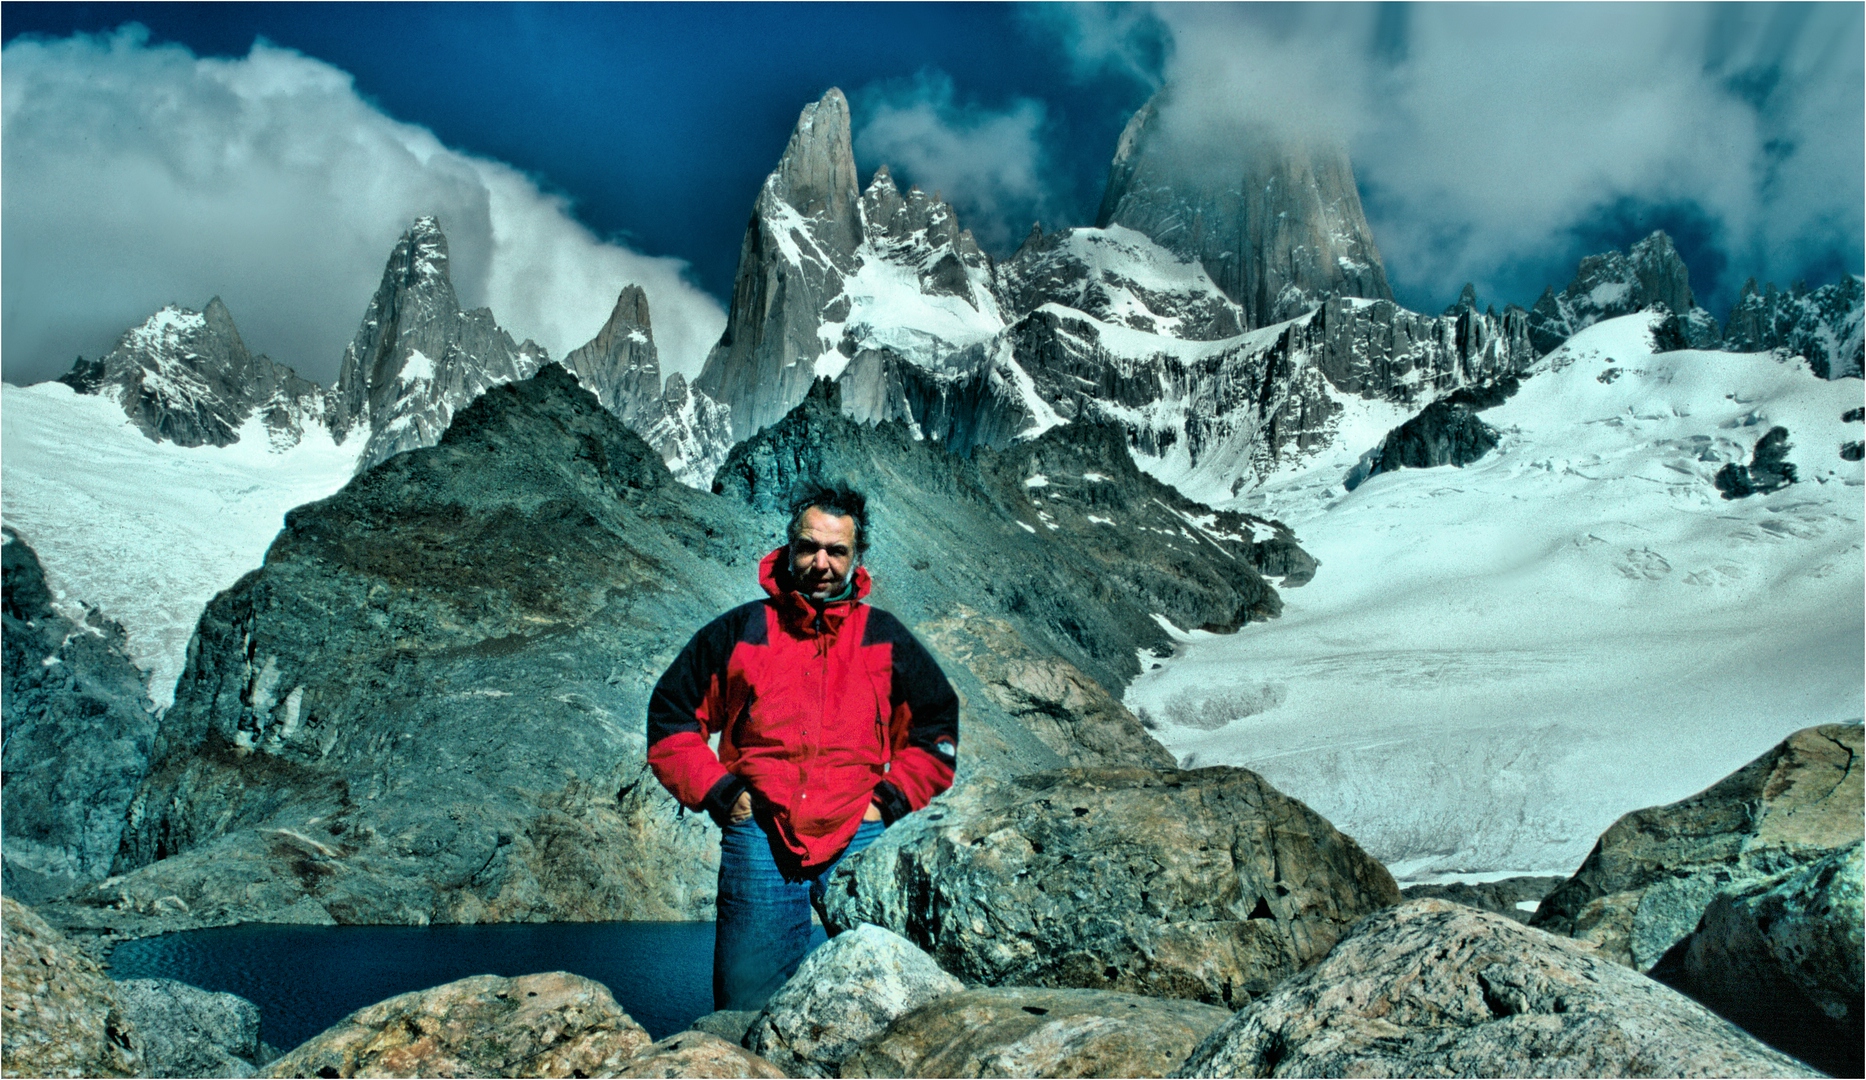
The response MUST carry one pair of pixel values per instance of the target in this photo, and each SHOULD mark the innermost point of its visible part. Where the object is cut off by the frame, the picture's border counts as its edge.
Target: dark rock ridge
(1207, 884)
(1431, 988)
(1653, 873)
(1768, 470)
(690, 431)
(418, 358)
(78, 727)
(1605, 286)
(1115, 275)
(423, 706)
(1446, 432)
(1782, 959)
(1823, 325)
(1061, 536)
(1276, 222)
(187, 377)
(1501, 897)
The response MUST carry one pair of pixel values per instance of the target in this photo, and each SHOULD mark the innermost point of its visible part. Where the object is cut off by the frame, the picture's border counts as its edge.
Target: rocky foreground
(1126, 921)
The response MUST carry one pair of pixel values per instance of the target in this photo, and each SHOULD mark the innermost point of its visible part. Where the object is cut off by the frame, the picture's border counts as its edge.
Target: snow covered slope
(1494, 662)
(149, 531)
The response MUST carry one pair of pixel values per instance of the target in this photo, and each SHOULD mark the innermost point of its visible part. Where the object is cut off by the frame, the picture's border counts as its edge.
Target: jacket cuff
(721, 796)
(893, 804)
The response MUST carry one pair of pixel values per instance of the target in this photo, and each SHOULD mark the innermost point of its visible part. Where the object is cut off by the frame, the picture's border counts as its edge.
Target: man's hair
(838, 499)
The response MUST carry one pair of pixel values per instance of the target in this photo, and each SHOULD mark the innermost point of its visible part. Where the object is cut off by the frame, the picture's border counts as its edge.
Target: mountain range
(1225, 326)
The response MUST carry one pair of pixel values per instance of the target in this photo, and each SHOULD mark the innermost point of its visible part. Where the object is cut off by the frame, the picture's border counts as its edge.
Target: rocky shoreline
(1127, 921)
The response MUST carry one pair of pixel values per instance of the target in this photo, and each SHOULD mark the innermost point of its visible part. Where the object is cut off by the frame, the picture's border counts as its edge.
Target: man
(832, 722)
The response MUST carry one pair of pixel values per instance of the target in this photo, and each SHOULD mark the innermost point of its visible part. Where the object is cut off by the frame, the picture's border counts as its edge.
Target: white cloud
(989, 163)
(1487, 135)
(138, 175)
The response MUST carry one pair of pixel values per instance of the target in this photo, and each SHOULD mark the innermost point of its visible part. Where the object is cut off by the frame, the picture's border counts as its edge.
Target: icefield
(148, 532)
(1494, 662)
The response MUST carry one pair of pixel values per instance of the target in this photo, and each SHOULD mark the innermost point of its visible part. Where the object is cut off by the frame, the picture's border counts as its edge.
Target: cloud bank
(989, 163)
(138, 175)
(1497, 143)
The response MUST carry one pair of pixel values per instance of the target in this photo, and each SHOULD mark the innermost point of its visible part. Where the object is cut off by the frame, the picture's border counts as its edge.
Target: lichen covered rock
(698, 1054)
(59, 1013)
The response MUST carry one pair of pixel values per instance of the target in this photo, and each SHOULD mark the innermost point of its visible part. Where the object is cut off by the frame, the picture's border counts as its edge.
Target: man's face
(823, 553)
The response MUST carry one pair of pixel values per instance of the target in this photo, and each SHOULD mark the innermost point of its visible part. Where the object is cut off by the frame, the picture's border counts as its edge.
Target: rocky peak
(816, 176)
(922, 232)
(187, 377)
(417, 357)
(1277, 222)
(1119, 276)
(1614, 283)
(1823, 325)
(690, 430)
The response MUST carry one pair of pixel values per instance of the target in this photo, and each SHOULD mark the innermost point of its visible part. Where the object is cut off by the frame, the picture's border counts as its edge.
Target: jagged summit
(187, 377)
(1823, 325)
(1276, 222)
(690, 430)
(417, 358)
(1614, 283)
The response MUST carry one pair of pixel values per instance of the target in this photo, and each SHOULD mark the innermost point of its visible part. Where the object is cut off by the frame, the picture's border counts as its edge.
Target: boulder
(729, 1024)
(554, 1024)
(1653, 872)
(1781, 958)
(1432, 988)
(59, 1013)
(842, 994)
(696, 1053)
(1206, 884)
(1027, 1031)
(188, 1031)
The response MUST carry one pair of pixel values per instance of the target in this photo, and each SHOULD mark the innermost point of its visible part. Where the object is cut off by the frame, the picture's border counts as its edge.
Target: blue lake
(306, 978)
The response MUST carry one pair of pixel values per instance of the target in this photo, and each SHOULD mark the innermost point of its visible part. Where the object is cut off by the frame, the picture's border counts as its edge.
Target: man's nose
(820, 560)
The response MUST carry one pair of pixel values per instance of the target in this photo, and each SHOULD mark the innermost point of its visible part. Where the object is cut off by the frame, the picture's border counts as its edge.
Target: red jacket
(818, 712)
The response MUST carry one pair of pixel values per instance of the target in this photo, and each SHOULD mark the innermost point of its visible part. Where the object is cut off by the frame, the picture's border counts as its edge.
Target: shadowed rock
(1654, 871)
(1431, 988)
(1502, 897)
(554, 1024)
(1782, 958)
(1208, 884)
(61, 1013)
(843, 993)
(1026, 1031)
(1768, 470)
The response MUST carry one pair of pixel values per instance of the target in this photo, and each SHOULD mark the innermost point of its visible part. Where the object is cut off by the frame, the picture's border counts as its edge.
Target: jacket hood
(774, 575)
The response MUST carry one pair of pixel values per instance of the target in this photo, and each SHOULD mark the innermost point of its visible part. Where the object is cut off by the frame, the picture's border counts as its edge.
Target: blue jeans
(764, 912)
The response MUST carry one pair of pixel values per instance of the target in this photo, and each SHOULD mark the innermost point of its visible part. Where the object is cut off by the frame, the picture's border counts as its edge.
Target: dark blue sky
(1493, 143)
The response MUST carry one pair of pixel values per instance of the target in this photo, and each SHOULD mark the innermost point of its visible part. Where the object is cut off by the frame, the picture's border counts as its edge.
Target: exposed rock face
(1434, 989)
(422, 708)
(1073, 715)
(1026, 1031)
(188, 1031)
(1277, 224)
(1442, 434)
(1768, 470)
(78, 727)
(845, 992)
(1782, 959)
(187, 377)
(1823, 325)
(1120, 277)
(418, 358)
(61, 1014)
(883, 284)
(1611, 284)
(1060, 536)
(554, 1024)
(690, 431)
(696, 1054)
(1206, 884)
(1653, 872)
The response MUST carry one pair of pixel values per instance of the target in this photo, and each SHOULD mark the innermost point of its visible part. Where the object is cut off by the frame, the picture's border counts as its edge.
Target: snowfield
(148, 532)
(1495, 662)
